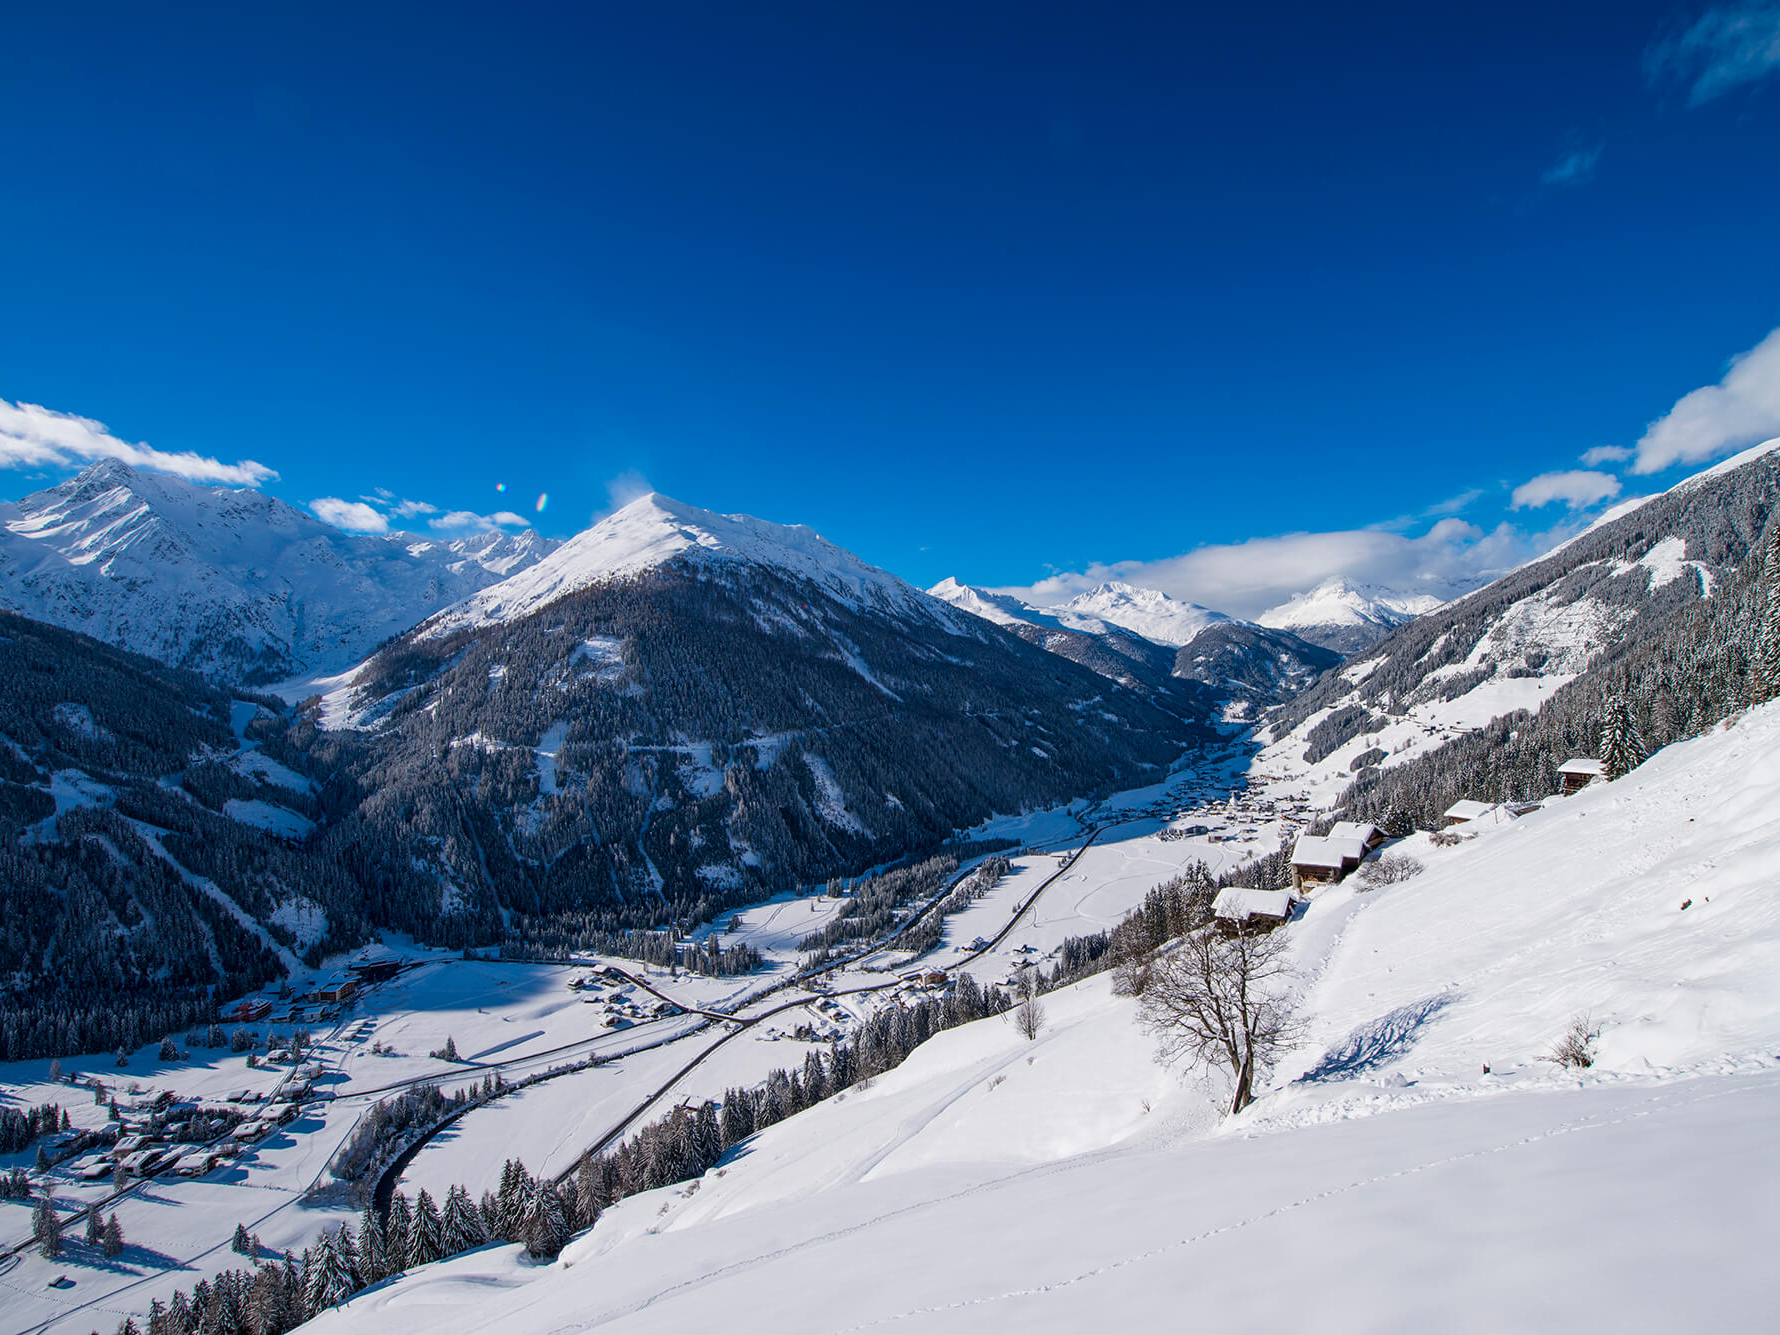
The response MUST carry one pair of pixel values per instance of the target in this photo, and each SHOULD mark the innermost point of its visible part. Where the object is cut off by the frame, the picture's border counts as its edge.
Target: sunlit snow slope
(1383, 1182)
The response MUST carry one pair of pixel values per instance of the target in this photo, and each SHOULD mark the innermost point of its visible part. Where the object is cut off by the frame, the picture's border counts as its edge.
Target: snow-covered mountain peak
(1107, 608)
(654, 530)
(230, 582)
(1340, 602)
(1146, 612)
(1001, 608)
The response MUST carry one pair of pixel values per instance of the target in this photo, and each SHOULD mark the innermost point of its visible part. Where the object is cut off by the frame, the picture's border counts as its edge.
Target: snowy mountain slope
(153, 837)
(1647, 603)
(1347, 617)
(1116, 624)
(679, 708)
(993, 1183)
(653, 530)
(231, 583)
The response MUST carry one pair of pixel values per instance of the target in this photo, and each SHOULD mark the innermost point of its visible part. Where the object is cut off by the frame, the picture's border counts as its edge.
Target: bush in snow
(1576, 1049)
(1388, 870)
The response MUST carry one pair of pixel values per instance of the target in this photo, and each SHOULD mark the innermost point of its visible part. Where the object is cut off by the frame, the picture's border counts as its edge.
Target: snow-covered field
(1384, 1181)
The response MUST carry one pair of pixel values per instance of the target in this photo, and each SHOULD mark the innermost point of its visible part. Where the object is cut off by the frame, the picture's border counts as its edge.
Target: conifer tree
(426, 1237)
(114, 1236)
(46, 1229)
(543, 1226)
(1622, 749)
(347, 1245)
(462, 1222)
(373, 1256)
(95, 1231)
(326, 1280)
(395, 1233)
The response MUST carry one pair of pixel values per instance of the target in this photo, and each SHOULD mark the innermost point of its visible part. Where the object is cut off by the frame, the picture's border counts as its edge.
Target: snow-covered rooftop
(1238, 903)
(1466, 809)
(1583, 765)
(1327, 851)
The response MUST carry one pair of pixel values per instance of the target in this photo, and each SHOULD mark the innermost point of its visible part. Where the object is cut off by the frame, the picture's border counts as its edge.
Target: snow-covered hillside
(1415, 1163)
(1640, 604)
(232, 583)
(655, 529)
(1347, 617)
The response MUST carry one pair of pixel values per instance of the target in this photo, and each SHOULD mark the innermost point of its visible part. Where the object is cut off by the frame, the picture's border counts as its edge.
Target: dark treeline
(931, 930)
(19, 1127)
(569, 935)
(875, 902)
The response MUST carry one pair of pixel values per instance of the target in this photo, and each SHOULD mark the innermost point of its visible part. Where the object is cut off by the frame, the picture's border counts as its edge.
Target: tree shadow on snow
(1378, 1041)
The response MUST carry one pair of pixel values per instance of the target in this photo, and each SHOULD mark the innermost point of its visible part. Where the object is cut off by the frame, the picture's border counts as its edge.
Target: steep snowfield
(1383, 1182)
(233, 583)
(653, 530)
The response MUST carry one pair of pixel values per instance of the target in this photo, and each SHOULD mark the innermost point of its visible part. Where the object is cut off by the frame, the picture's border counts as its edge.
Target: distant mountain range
(1113, 626)
(679, 711)
(234, 584)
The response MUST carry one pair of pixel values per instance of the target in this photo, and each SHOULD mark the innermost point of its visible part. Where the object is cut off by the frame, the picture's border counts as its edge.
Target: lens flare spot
(543, 500)
(500, 486)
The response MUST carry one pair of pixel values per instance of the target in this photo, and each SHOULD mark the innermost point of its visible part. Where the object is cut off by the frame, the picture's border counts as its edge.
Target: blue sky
(999, 291)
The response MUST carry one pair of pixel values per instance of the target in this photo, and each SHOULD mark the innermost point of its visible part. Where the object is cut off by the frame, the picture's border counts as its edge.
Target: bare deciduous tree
(1220, 999)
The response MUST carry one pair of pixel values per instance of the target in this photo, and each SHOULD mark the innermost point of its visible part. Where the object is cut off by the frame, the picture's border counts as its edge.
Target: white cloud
(1576, 488)
(353, 516)
(1573, 168)
(1742, 409)
(468, 521)
(1247, 578)
(408, 509)
(35, 437)
(1606, 454)
(628, 486)
(1726, 47)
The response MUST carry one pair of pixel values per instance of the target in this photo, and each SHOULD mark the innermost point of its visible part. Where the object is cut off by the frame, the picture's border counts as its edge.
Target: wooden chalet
(1580, 771)
(1237, 907)
(1366, 832)
(1465, 811)
(1325, 859)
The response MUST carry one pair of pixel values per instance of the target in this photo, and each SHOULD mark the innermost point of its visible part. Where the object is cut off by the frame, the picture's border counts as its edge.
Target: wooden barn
(1580, 771)
(1238, 907)
(1324, 859)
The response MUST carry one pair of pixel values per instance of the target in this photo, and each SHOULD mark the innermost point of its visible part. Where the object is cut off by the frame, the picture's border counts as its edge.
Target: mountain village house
(1325, 859)
(1237, 907)
(1579, 772)
(1466, 811)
